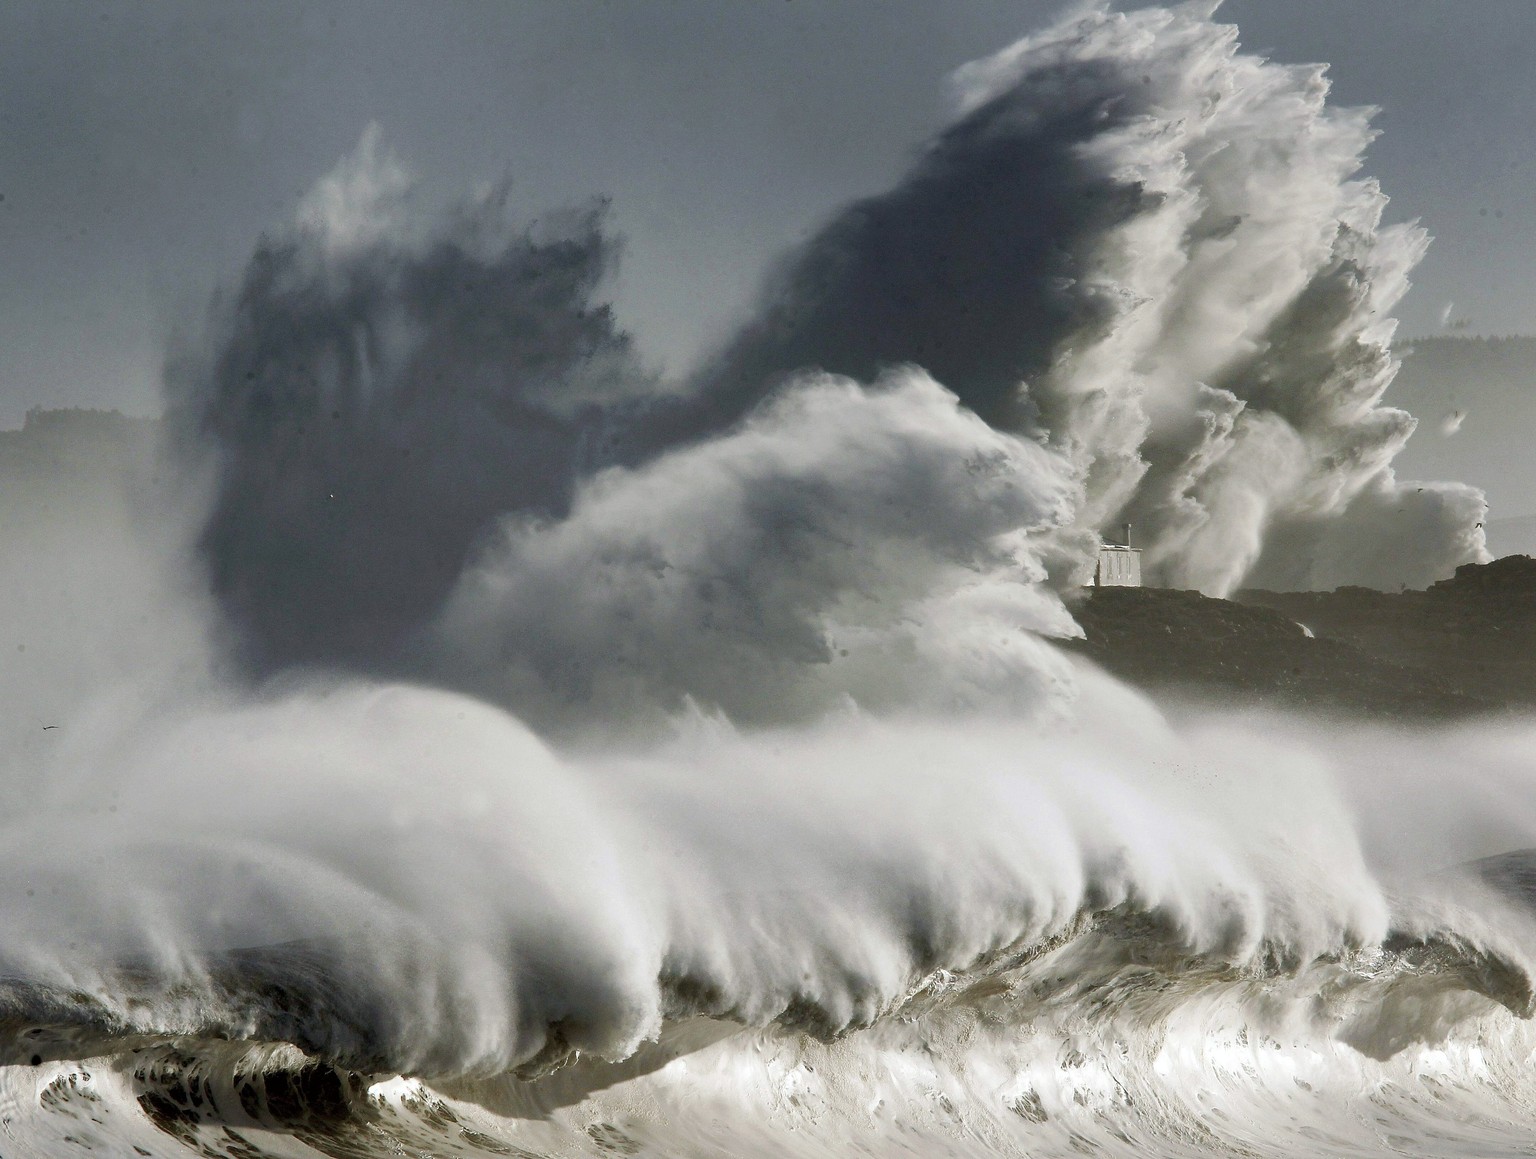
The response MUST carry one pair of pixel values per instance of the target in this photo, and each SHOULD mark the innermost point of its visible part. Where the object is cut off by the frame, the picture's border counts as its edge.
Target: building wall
(1119, 567)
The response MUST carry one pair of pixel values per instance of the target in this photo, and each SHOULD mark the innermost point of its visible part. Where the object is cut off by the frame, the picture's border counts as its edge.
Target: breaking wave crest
(992, 935)
(1112, 1035)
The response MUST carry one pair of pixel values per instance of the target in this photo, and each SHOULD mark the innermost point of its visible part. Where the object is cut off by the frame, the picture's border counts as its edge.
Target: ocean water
(990, 938)
(1147, 1051)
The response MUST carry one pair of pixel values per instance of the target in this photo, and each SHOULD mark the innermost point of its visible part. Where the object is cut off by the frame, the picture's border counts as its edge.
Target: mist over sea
(444, 734)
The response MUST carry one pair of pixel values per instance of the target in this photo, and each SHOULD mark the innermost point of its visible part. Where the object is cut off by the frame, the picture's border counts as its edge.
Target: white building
(1118, 567)
(1119, 564)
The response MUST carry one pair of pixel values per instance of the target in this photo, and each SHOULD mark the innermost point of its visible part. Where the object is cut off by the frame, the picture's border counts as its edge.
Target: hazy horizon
(147, 146)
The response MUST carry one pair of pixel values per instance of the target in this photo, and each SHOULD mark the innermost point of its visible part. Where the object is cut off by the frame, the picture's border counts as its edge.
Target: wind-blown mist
(1135, 245)
(1151, 252)
(377, 397)
(842, 544)
(505, 718)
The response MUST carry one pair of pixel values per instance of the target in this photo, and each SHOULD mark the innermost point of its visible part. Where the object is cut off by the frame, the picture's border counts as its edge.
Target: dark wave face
(456, 740)
(375, 403)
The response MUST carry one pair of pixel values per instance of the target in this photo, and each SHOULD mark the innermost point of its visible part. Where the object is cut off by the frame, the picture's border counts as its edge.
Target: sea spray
(1135, 244)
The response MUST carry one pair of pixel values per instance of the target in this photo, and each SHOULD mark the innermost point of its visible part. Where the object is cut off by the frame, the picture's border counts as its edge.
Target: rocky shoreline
(1465, 647)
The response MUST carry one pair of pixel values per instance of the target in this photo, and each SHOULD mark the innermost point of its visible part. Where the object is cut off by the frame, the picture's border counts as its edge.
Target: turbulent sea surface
(1109, 1037)
(441, 737)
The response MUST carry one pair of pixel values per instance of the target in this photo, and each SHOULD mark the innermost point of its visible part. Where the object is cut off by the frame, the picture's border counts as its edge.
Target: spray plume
(376, 397)
(1135, 245)
(1150, 251)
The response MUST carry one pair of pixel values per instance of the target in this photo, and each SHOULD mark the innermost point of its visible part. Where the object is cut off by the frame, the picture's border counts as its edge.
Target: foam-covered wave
(468, 899)
(405, 880)
(1111, 1033)
(844, 545)
(976, 937)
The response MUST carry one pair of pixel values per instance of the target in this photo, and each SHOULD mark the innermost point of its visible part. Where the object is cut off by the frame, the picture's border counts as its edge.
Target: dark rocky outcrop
(1465, 647)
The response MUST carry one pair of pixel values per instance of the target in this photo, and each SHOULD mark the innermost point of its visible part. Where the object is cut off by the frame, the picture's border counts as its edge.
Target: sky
(145, 146)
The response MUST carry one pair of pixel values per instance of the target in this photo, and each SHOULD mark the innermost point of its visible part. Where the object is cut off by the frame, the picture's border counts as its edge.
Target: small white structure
(1119, 567)
(1119, 564)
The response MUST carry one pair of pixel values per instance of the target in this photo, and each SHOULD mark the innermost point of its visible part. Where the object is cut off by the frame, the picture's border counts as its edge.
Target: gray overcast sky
(144, 146)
